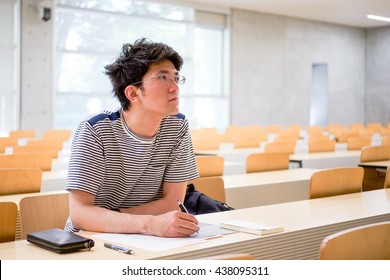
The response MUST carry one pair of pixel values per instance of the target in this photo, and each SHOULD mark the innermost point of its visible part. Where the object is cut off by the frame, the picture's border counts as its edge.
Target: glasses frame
(178, 79)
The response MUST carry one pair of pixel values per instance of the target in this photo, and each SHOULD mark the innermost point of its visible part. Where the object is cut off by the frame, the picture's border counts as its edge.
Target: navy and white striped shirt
(123, 170)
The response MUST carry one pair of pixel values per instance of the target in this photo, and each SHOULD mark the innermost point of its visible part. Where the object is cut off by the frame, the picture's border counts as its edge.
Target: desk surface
(306, 223)
(270, 187)
(324, 160)
(17, 197)
(375, 164)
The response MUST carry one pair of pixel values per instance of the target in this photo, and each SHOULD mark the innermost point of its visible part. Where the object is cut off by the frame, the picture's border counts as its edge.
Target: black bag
(199, 203)
(59, 241)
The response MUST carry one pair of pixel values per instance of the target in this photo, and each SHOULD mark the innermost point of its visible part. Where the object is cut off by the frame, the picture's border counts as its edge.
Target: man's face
(160, 92)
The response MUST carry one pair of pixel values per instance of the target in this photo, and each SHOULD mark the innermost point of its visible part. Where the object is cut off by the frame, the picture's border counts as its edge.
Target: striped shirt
(123, 170)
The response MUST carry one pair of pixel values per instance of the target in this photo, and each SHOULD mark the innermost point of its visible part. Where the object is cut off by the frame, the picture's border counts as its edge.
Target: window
(90, 34)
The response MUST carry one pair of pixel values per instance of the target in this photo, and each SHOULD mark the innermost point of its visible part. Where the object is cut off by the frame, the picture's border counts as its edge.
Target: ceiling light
(378, 18)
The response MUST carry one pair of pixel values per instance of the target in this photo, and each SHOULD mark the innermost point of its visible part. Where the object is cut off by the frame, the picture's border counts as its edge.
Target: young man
(128, 168)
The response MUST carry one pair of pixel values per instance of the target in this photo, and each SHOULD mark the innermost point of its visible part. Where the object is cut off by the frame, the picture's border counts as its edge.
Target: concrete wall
(9, 61)
(37, 71)
(377, 105)
(272, 58)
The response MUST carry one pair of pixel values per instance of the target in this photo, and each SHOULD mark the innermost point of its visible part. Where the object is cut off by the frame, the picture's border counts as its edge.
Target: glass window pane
(134, 7)
(209, 57)
(89, 37)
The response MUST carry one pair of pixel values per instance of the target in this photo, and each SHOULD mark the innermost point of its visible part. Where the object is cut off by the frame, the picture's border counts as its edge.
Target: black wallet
(59, 241)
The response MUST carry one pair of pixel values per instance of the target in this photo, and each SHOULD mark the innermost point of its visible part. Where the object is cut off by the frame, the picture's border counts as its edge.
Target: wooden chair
(210, 143)
(247, 142)
(387, 178)
(385, 132)
(20, 180)
(22, 133)
(375, 126)
(314, 131)
(273, 128)
(336, 181)
(374, 179)
(213, 187)
(267, 161)
(51, 149)
(321, 146)
(210, 165)
(356, 127)
(280, 147)
(42, 161)
(7, 142)
(343, 136)
(368, 242)
(59, 134)
(356, 143)
(45, 142)
(42, 212)
(386, 140)
(334, 128)
(8, 218)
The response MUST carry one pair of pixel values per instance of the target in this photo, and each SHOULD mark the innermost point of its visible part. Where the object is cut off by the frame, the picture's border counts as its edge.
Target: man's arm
(85, 215)
(171, 193)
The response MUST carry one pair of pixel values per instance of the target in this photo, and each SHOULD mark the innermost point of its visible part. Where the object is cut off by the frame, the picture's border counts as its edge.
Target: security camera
(44, 10)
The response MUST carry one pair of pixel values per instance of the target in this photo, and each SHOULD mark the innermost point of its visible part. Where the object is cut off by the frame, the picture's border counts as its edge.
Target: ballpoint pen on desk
(182, 207)
(119, 248)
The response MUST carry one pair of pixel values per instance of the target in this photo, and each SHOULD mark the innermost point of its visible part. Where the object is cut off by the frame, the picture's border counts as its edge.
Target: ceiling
(345, 12)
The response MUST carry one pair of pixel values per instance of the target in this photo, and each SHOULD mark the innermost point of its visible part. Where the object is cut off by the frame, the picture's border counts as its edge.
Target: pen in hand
(183, 209)
(119, 248)
(181, 206)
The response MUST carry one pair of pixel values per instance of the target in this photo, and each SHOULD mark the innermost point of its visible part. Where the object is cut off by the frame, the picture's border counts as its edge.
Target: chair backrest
(386, 140)
(213, 187)
(45, 142)
(280, 147)
(375, 126)
(7, 142)
(51, 149)
(210, 165)
(374, 153)
(336, 181)
(356, 143)
(41, 160)
(22, 133)
(211, 143)
(321, 146)
(267, 161)
(20, 180)
(368, 242)
(63, 134)
(8, 218)
(247, 142)
(387, 178)
(42, 212)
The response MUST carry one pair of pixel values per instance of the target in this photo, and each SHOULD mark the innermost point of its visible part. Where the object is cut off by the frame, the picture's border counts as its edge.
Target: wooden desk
(323, 160)
(383, 164)
(16, 198)
(306, 223)
(264, 188)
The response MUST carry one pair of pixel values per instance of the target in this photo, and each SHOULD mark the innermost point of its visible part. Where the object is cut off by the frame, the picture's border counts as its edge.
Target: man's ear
(131, 93)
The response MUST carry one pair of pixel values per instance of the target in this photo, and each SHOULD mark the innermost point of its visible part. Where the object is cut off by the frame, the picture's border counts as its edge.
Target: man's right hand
(173, 224)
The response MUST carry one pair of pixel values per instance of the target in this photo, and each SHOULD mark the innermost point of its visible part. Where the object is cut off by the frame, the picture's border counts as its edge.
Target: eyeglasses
(178, 79)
